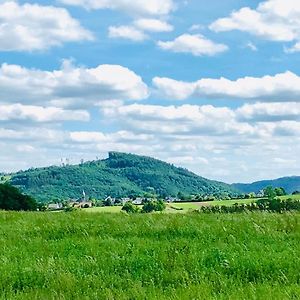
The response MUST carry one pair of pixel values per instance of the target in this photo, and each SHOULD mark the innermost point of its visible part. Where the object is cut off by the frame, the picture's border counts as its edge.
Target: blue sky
(79, 78)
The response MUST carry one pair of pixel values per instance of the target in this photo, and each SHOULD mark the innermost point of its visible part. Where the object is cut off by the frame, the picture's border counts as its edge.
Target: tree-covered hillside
(120, 175)
(290, 184)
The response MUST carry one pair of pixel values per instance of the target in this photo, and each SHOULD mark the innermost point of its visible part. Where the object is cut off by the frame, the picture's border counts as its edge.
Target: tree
(12, 199)
(152, 206)
(280, 191)
(252, 195)
(269, 192)
(130, 208)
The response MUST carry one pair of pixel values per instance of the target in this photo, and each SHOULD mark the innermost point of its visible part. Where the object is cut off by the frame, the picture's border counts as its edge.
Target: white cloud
(275, 20)
(256, 121)
(88, 137)
(251, 46)
(153, 25)
(30, 27)
(196, 27)
(198, 45)
(293, 49)
(127, 32)
(214, 142)
(183, 120)
(34, 135)
(283, 87)
(269, 112)
(137, 30)
(136, 7)
(19, 112)
(70, 86)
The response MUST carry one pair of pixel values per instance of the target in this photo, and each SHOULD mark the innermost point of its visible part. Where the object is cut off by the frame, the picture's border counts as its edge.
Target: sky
(212, 86)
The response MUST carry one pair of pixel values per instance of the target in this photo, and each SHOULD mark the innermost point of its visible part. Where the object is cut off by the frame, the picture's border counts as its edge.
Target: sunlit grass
(106, 209)
(149, 256)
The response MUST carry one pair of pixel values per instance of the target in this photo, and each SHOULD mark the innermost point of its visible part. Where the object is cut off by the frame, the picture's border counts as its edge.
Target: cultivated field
(149, 256)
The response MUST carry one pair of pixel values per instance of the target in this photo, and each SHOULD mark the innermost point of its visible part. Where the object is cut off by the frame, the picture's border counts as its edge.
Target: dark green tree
(12, 199)
(279, 191)
(154, 205)
(269, 192)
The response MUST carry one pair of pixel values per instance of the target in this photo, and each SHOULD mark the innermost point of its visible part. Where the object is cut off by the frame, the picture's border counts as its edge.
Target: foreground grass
(159, 256)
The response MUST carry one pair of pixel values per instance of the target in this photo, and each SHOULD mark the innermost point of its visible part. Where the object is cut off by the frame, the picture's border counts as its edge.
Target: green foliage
(149, 256)
(269, 192)
(270, 205)
(153, 205)
(121, 175)
(12, 199)
(130, 208)
(279, 191)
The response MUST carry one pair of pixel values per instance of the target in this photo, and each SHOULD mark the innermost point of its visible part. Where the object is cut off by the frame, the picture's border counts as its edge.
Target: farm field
(149, 256)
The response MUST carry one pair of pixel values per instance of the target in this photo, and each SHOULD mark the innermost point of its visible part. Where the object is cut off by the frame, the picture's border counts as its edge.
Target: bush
(130, 208)
(153, 205)
(271, 205)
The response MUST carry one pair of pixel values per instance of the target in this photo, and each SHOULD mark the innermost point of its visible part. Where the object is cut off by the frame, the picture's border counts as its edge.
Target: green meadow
(149, 256)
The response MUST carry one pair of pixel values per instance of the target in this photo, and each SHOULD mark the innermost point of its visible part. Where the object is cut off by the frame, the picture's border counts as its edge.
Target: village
(84, 202)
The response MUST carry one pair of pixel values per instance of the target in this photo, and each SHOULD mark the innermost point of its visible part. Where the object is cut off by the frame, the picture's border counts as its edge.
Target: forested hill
(120, 175)
(290, 184)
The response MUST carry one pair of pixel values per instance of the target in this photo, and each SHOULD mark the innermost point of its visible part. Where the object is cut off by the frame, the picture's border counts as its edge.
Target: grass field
(193, 205)
(106, 209)
(185, 207)
(157, 256)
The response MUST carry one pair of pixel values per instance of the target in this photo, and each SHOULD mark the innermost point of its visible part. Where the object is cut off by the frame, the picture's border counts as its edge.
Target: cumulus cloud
(137, 7)
(137, 30)
(216, 142)
(275, 20)
(254, 121)
(153, 25)
(27, 113)
(30, 27)
(127, 32)
(184, 120)
(70, 86)
(34, 135)
(269, 112)
(196, 44)
(283, 87)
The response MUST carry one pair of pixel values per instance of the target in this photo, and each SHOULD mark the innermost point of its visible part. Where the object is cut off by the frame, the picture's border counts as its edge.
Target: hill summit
(120, 175)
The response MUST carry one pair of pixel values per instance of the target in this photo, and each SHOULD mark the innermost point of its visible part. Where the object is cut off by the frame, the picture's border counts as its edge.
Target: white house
(54, 206)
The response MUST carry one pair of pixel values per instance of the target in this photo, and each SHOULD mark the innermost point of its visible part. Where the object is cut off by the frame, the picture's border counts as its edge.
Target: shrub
(153, 205)
(271, 205)
(130, 208)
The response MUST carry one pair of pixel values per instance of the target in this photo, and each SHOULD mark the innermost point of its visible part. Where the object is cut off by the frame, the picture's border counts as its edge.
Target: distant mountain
(120, 175)
(290, 184)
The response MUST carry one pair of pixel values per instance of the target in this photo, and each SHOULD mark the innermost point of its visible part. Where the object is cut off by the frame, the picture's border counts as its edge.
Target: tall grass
(156, 256)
